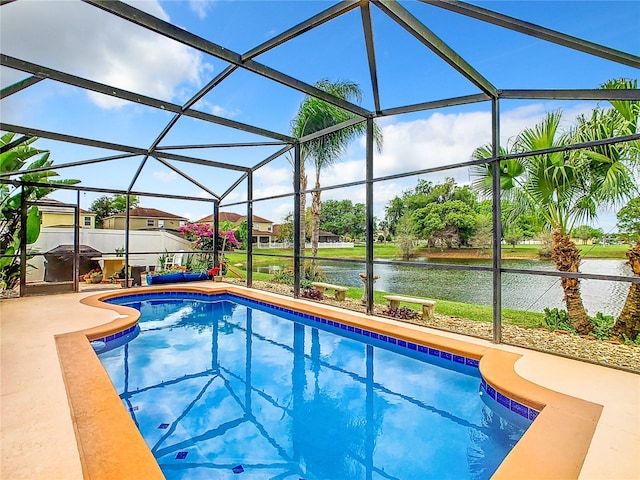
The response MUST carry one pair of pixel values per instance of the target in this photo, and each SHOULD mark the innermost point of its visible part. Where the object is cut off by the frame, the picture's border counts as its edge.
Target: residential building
(262, 228)
(61, 215)
(145, 219)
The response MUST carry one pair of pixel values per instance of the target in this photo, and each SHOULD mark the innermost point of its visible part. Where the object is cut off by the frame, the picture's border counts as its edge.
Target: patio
(44, 445)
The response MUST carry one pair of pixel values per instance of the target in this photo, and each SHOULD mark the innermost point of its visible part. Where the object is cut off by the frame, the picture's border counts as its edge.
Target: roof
(59, 207)
(232, 217)
(149, 213)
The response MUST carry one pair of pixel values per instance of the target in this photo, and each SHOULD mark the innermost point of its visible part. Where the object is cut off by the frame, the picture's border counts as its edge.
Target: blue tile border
(516, 407)
(115, 336)
(510, 404)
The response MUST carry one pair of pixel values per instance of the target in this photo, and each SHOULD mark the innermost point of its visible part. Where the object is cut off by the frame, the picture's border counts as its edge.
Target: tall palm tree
(313, 116)
(564, 188)
(624, 121)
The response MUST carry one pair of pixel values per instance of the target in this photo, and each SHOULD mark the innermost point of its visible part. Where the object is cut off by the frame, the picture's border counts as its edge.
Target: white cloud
(445, 139)
(268, 176)
(165, 177)
(89, 42)
(201, 7)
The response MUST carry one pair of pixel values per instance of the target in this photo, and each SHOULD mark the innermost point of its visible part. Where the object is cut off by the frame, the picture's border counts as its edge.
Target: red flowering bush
(202, 236)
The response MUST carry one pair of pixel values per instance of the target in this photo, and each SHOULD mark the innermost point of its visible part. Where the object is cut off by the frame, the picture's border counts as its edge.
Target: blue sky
(78, 38)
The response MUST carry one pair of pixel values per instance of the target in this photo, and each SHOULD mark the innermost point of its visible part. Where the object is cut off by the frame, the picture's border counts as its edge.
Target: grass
(391, 251)
(479, 313)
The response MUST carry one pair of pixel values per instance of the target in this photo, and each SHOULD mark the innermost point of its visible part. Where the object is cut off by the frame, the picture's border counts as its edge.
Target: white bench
(340, 292)
(428, 306)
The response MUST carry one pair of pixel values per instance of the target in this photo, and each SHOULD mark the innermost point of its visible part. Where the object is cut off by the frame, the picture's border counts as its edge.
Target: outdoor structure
(145, 219)
(409, 19)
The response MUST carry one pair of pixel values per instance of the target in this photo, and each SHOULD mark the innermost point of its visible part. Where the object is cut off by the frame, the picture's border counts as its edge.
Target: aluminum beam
(496, 223)
(110, 191)
(365, 13)
(15, 143)
(60, 166)
(537, 31)
(313, 22)
(187, 177)
(62, 77)
(168, 30)
(593, 94)
(220, 145)
(449, 102)
(272, 157)
(235, 184)
(412, 25)
(18, 86)
(114, 146)
(331, 129)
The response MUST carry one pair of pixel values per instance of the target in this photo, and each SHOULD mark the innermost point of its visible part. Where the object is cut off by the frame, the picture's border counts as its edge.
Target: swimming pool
(267, 392)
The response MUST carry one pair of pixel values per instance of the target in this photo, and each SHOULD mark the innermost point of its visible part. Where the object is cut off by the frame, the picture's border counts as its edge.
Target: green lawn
(390, 251)
(480, 313)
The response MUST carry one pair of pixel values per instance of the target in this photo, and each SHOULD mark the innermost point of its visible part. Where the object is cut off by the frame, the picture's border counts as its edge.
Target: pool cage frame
(401, 16)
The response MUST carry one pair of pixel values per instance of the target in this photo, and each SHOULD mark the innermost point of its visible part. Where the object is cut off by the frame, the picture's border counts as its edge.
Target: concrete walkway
(37, 435)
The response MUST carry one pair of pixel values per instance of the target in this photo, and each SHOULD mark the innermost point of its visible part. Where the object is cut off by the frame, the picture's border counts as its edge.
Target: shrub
(283, 276)
(402, 313)
(311, 294)
(557, 319)
(602, 325)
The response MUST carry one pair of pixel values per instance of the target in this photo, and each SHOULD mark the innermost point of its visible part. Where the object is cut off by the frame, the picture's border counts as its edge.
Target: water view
(522, 292)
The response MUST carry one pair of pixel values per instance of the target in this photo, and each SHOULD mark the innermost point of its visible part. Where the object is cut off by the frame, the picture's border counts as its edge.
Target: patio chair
(175, 261)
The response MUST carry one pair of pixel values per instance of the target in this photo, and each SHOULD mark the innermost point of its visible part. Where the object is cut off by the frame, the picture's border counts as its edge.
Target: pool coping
(554, 446)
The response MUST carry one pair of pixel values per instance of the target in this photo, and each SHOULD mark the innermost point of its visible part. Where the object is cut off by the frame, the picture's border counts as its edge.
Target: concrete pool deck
(37, 432)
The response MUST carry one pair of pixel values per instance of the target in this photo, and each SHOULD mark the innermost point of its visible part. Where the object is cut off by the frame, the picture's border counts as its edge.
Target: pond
(521, 292)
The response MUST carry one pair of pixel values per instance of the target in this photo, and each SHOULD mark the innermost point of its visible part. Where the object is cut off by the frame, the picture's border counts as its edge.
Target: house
(145, 219)
(262, 233)
(327, 237)
(54, 213)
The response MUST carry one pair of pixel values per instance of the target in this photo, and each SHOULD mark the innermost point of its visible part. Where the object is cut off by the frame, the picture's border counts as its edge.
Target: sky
(82, 40)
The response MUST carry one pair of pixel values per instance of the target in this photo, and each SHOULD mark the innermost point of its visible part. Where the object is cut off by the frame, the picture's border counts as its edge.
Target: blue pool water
(223, 387)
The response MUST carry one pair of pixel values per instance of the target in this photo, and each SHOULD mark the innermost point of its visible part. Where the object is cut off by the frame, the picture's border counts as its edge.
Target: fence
(288, 245)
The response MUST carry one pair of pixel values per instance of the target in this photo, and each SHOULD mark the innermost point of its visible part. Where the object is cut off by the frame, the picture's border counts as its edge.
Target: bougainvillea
(201, 234)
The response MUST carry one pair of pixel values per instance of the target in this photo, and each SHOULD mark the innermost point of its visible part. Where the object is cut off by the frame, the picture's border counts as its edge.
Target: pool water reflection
(221, 387)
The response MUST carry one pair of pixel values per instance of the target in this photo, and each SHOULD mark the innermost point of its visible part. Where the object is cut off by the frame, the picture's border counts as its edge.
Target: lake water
(522, 292)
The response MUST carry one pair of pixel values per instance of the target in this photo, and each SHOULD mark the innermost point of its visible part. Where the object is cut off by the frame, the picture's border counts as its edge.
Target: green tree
(315, 115)
(106, 206)
(242, 234)
(614, 165)
(563, 188)
(483, 233)
(449, 223)
(21, 159)
(512, 236)
(586, 233)
(344, 218)
(629, 220)
(393, 213)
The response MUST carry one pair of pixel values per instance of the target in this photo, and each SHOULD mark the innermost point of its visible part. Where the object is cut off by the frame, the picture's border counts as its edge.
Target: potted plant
(96, 277)
(214, 273)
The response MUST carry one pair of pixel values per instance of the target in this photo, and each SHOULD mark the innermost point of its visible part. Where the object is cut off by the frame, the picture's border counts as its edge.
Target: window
(87, 221)
(151, 222)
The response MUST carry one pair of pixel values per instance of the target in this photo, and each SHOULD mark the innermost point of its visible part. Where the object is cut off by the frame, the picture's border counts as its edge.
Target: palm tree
(624, 121)
(313, 116)
(564, 188)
